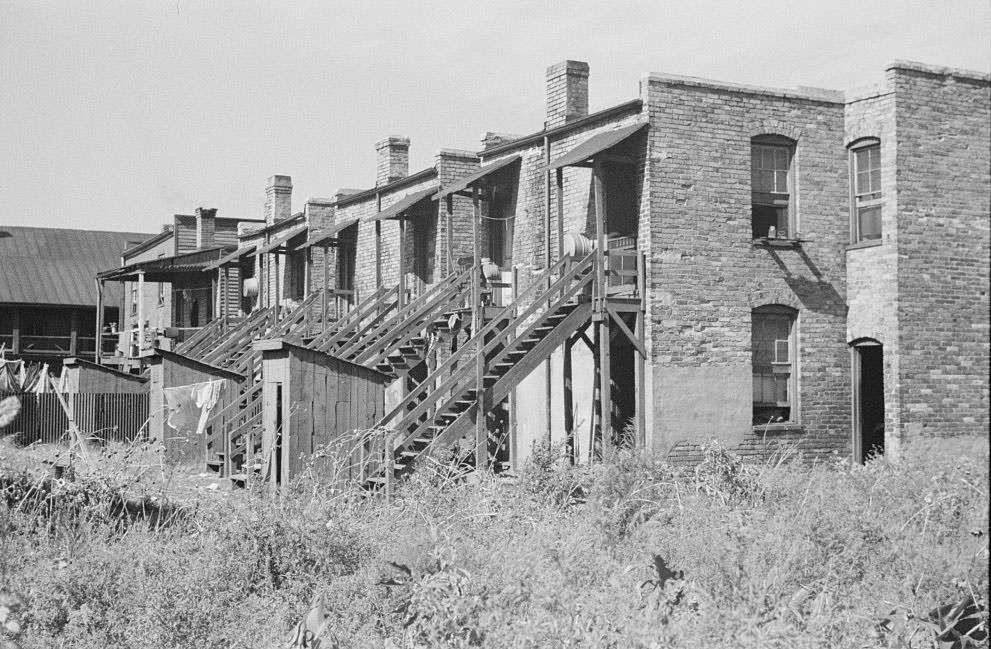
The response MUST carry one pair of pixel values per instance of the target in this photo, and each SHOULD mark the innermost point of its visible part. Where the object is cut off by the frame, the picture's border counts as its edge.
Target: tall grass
(634, 553)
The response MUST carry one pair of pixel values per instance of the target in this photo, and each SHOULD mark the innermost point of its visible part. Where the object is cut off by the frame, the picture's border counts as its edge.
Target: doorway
(868, 399)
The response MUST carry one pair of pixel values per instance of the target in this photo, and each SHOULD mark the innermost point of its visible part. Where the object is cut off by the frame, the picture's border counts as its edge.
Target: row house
(706, 260)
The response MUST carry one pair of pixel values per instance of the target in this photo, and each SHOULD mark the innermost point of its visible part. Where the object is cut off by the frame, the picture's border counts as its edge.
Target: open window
(774, 352)
(772, 186)
(865, 172)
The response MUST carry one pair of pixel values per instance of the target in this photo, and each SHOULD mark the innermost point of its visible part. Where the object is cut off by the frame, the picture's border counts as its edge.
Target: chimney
(278, 199)
(392, 159)
(205, 227)
(567, 92)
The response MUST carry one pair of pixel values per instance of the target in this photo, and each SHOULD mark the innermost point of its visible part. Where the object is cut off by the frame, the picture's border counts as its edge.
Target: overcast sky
(116, 115)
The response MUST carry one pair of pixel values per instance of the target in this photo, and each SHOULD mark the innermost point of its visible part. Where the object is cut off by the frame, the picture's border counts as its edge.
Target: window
(865, 161)
(772, 181)
(773, 349)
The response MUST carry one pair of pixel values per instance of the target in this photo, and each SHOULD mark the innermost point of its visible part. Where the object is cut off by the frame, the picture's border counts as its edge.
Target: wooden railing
(407, 322)
(365, 316)
(496, 340)
(448, 373)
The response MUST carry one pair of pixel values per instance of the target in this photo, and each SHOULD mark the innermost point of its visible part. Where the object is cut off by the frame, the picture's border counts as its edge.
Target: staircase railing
(499, 343)
(241, 335)
(370, 317)
(409, 321)
(446, 372)
(191, 346)
(300, 315)
(348, 320)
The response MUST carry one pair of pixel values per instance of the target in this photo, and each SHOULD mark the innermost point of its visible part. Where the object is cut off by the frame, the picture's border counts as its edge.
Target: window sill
(785, 427)
(872, 243)
(779, 243)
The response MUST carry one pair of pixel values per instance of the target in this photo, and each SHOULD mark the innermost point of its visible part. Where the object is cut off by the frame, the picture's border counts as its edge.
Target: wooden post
(326, 288)
(99, 323)
(641, 369)
(568, 399)
(278, 292)
(560, 212)
(481, 438)
(450, 234)
(402, 262)
(601, 317)
(73, 333)
(513, 445)
(141, 310)
(225, 306)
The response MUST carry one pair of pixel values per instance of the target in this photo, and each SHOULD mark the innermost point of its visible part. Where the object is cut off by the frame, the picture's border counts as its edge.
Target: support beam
(141, 310)
(74, 333)
(326, 289)
(481, 437)
(634, 340)
(99, 322)
(402, 262)
(450, 235)
(560, 212)
(568, 392)
(602, 322)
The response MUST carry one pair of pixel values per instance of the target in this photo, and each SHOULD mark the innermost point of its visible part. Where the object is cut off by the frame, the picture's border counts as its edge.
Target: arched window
(774, 351)
(865, 174)
(772, 186)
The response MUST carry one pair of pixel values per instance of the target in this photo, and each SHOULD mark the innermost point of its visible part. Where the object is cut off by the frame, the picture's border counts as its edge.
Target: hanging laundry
(189, 406)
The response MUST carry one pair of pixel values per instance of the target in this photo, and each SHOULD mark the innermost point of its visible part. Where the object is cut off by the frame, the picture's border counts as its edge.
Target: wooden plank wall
(330, 405)
(174, 371)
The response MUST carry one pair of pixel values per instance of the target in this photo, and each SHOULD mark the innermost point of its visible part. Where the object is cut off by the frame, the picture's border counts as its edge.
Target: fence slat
(106, 416)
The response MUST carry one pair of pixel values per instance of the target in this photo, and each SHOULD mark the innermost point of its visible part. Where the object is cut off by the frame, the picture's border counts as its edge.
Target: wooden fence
(110, 416)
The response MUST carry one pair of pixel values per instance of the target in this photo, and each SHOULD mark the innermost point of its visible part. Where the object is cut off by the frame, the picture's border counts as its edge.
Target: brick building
(705, 260)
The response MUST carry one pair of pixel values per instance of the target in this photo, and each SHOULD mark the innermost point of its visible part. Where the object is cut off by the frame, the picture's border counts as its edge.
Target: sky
(115, 115)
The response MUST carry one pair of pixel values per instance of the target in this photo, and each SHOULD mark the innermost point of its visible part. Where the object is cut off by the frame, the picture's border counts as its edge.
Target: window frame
(776, 200)
(870, 200)
(792, 404)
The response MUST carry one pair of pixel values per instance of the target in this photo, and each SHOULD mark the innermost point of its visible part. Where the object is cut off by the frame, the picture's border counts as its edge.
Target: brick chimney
(567, 92)
(205, 227)
(392, 159)
(278, 199)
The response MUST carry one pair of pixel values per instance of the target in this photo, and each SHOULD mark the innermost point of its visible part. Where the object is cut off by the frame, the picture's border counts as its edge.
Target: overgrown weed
(633, 553)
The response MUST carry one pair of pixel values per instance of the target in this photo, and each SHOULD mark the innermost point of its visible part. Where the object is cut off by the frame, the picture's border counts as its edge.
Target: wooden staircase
(443, 408)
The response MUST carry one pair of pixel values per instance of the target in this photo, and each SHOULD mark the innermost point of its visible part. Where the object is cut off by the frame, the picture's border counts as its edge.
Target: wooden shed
(105, 402)
(319, 409)
(170, 370)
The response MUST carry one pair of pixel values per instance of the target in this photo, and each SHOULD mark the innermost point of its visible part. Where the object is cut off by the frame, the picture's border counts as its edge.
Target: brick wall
(943, 166)
(872, 270)
(706, 274)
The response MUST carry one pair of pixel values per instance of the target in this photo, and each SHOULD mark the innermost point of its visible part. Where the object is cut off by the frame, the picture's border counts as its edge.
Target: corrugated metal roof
(164, 269)
(59, 266)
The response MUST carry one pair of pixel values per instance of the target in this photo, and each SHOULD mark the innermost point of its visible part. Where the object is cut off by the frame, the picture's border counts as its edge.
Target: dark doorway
(622, 361)
(869, 400)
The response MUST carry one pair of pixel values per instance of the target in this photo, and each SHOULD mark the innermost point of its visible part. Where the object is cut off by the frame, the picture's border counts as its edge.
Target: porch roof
(396, 210)
(164, 268)
(231, 259)
(326, 237)
(595, 145)
(462, 184)
(278, 241)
